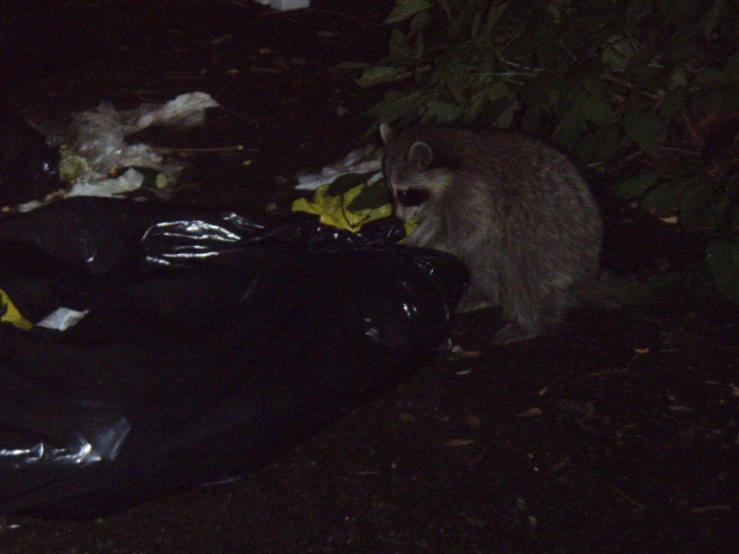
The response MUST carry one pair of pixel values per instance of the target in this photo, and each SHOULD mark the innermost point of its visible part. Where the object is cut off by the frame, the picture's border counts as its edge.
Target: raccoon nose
(412, 197)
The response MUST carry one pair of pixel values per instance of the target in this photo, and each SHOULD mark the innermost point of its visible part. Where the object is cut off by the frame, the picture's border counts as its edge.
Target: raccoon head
(409, 176)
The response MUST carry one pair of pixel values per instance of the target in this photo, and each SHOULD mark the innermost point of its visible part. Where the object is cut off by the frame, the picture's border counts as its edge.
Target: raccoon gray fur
(515, 210)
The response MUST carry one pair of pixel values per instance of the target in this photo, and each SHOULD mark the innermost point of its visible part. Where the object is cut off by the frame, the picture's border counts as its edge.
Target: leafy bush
(645, 92)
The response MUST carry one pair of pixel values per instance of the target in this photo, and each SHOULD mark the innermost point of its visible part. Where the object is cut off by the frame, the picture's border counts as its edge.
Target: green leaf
(693, 205)
(707, 100)
(731, 67)
(636, 186)
(475, 25)
(443, 112)
(710, 21)
(378, 75)
(498, 90)
(568, 131)
(418, 47)
(648, 76)
(405, 9)
(477, 103)
(601, 145)
(673, 103)
(618, 51)
(665, 198)
(462, 21)
(445, 6)
(530, 119)
(505, 119)
(398, 47)
(397, 105)
(645, 129)
(723, 259)
(371, 198)
(419, 22)
(493, 15)
(458, 87)
(708, 78)
(730, 96)
(598, 111)
(350, 66)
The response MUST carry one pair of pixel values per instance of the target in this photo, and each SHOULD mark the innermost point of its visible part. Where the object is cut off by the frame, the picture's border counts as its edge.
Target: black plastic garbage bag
(206, 344)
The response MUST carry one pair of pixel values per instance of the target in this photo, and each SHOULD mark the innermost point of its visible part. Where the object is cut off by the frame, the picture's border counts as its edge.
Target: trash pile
(149, 348)
(97, 161)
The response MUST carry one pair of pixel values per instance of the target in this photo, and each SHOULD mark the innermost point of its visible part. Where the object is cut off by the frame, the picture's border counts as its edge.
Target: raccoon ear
(386, 133)
(421, 155)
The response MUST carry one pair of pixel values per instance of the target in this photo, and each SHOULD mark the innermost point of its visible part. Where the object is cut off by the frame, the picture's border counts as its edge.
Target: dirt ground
(616, 433)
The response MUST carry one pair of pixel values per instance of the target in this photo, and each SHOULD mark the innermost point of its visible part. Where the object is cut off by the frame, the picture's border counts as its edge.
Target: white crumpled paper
(99, 135)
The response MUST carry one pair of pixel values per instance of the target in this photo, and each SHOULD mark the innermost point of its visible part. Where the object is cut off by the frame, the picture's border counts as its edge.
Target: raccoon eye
(412, 197)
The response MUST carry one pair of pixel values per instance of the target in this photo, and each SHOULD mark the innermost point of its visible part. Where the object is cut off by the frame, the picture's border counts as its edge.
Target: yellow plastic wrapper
(350, 208)
(10, 314)
(343, 210)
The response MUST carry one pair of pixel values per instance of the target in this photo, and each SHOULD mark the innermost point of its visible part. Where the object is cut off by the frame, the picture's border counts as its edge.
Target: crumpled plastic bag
(99, 135)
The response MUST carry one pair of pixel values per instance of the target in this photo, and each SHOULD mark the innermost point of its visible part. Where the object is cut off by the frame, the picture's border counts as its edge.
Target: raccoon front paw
(513, 332)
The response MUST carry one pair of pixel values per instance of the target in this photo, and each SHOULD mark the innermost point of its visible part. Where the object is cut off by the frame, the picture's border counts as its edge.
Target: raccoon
(514, 209)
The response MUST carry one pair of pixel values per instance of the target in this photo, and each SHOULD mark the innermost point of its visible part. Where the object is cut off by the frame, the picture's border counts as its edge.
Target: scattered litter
(10, 313)
(531, 412)
(128, 182)
(285, 5)
(97, 161)
(62, 319)
(362, 160)
(99, 134)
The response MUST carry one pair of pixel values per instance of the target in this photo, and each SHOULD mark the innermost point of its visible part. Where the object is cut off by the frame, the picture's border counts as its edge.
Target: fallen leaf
(473, 421)
(459, 442)
(531, 412)
(270, 70)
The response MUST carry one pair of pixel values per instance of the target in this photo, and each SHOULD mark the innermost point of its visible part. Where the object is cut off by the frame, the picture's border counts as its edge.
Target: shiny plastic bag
(195, 346)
